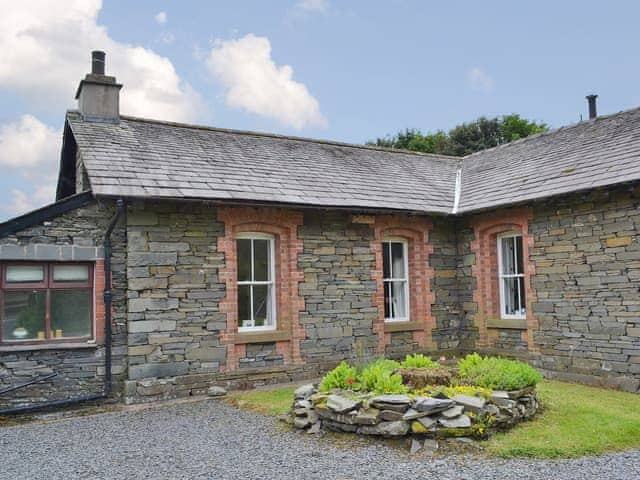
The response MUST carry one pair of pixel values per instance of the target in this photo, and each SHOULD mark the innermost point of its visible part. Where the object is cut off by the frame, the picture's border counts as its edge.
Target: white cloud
(29, 144)
(44, 52)
(255, 83)
(30, 149)
(161, 18)
(313, 5)
(21, 202)
(480, 80)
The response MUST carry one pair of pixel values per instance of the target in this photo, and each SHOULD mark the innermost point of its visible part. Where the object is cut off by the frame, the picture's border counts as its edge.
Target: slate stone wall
(467, 331)
(175, 293)
(258, 355)
(587, 257)
(452, 284)
(338, 290)
(586, 253)
(173, 300)
(402, 343)
(80, 371)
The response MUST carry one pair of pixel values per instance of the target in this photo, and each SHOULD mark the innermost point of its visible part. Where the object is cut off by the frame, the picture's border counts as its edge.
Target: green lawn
(576, 420)
(274, 402)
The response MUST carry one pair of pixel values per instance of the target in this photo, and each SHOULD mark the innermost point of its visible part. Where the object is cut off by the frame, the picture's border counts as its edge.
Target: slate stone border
(400, 415)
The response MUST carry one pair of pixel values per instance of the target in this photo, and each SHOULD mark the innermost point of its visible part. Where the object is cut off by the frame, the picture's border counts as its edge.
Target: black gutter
(106, 389)
(278, 204)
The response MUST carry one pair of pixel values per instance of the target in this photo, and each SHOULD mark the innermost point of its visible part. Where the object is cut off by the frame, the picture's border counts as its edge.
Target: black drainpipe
(108, 296)
(106, 389)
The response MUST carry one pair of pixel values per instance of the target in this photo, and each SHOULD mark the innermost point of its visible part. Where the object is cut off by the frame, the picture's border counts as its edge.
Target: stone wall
(258, 355)
(173, 299)
(446, 286)
(338, 290)
(467, 332)
(75, 235)
(401, 343)
(181, 298)
(587, 258)
(583, 322)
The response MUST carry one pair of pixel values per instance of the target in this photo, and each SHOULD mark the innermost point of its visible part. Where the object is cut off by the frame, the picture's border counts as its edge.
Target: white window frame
(502, 276)
(272, 283)
(385, 281)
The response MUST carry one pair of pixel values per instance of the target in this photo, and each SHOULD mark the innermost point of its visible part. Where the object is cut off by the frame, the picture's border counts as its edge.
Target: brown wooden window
(46, 302)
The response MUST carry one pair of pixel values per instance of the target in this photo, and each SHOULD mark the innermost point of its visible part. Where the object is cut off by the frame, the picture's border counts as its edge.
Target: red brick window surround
(49, 303)
(414, 232)
(490, 317)
(281, 226)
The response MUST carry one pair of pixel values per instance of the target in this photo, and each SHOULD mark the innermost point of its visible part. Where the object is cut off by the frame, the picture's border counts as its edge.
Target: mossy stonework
(365, 402)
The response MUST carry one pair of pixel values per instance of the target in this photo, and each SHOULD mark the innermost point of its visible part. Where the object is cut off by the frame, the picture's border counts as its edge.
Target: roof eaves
(45, 213)
(277, 204)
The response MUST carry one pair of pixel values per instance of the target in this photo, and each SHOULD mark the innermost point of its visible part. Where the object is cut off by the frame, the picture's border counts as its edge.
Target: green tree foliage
(466, 138)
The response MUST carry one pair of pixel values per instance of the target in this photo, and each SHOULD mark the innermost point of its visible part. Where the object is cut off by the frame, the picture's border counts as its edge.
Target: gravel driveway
(210, 439)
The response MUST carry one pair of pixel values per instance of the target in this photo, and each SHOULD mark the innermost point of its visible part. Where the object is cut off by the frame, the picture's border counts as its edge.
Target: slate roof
(151, 159)
(145, 158)
(595, 153)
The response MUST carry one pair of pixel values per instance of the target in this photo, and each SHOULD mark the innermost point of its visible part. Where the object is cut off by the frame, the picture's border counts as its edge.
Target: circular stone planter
(400, 415)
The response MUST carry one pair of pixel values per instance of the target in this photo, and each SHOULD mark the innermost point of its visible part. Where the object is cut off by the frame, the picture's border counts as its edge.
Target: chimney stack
(591, 99)
(98, 94)
(97, 62)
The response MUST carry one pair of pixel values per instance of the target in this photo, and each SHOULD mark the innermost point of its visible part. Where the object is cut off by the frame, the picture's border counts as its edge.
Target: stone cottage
(180, 256)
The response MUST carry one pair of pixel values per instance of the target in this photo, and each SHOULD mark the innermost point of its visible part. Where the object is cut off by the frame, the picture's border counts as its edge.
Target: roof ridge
(286, 137)
(551, 132)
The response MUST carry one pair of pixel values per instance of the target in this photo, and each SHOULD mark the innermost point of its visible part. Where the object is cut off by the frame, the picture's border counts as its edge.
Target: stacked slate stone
(399, 415)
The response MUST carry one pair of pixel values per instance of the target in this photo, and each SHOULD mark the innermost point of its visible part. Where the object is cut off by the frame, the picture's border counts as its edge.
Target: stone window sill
(262, 337)
(47, 346)
(390, 327)
(507, 323)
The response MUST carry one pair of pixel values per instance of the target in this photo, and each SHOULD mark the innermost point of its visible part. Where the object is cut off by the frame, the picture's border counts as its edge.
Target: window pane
(519, 255)
(508, 266)
(262, 305)
(523, 298)
(23, 315)
(397, 256)
(387, 300)
(70, 273)
(399, 300)
(386, 260)
(244, 306)
(25, 273)
(510, 296)
(244, 259)
(70, 313)
(261, 260)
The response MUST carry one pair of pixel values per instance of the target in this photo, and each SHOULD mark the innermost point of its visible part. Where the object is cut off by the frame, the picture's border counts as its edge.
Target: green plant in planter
(379, 377)
(497, 373)
(390, 383)
(343, 377)
(419, 360)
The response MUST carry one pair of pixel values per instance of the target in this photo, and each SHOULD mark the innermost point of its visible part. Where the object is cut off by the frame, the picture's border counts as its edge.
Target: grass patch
(273, 402)
(576, 420)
